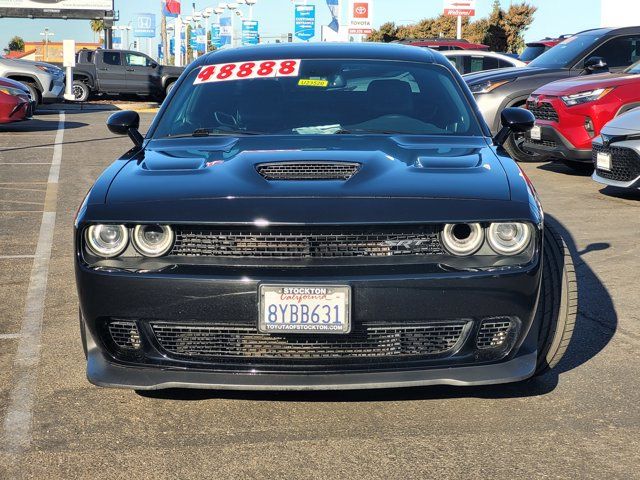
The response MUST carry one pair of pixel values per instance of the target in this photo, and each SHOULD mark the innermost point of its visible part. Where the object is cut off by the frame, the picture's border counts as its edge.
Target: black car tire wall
(519, 155)
(558, 304)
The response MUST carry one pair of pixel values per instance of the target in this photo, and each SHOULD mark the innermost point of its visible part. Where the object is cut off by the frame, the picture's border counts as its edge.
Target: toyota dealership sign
(56, 8)
(460, 8)
(360, 17)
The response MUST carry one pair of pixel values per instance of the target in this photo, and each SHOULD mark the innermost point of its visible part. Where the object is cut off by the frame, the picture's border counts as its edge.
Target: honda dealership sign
(56, 8)
(360, 17)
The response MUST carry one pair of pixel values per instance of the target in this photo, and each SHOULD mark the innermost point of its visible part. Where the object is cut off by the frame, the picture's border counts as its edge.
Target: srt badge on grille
(408, 244)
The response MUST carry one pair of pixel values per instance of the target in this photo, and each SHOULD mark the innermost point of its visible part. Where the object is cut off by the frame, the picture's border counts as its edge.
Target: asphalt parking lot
(582, 420)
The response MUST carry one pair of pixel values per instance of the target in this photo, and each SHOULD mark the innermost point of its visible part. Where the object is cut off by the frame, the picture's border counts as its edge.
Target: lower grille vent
(379, 340)
(308, 170)
(124, 334)
(493, 333)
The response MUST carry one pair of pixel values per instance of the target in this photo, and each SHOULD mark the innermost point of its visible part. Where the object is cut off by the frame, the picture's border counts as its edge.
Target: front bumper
(55, 92)
(555, 144)
(394, 297)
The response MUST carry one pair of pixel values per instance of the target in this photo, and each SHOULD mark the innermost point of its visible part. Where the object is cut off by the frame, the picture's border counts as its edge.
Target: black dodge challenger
(319, 216)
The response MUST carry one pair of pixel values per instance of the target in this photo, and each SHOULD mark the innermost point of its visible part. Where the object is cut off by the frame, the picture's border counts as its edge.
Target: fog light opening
(461, 231)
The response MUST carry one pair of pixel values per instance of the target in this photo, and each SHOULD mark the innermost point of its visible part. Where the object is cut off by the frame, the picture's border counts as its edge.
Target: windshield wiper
(209, 132)
(348, 131)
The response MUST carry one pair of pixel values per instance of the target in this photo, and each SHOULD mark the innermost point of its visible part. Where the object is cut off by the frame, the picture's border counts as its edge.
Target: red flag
(171, 8)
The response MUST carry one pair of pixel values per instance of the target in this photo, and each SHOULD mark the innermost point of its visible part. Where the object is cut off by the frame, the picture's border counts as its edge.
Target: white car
(616, 152)
(471, 61)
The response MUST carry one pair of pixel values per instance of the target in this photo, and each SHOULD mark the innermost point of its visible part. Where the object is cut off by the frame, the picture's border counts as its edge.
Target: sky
(554, 17)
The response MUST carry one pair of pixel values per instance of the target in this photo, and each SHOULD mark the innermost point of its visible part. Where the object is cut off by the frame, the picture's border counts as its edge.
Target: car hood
(569, 86)
(627, 124)
(506, 74)
(171, 70)
(22, 64)
(391, 167)
(7, 82)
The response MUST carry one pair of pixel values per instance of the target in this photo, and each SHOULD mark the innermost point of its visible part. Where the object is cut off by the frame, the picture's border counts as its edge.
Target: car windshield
(316, 96)
(633, 69)
(563, 54)
(532, 52)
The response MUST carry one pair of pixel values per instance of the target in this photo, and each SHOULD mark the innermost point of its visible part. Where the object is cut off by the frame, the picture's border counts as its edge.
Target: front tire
(169, 87)
(80, 91)
(35, 95)
(558, 304)
(515, 147)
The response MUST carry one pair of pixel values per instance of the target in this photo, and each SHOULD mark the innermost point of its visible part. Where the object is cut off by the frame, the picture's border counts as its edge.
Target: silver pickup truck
(44, 81)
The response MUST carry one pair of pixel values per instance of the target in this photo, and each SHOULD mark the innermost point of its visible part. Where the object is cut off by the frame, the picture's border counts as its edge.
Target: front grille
(493, 333)
(542, 111)
(124, 334)
(308, 170)
(545, 143)
(308, 242)
(233, 342)
(625, 163)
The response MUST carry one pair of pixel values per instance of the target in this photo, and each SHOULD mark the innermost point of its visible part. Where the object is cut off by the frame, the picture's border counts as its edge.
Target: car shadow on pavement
(622, 193)
(37, 125)
(595, 326)
(560, 167)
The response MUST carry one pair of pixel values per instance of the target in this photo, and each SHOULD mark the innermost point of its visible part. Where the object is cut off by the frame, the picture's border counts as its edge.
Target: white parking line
(9, 336)
(17, 423)
(11, 257)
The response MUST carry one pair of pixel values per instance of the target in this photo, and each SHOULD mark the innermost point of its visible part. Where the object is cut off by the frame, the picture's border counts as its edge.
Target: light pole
(46, 34)
(233, 7)
(207, 14)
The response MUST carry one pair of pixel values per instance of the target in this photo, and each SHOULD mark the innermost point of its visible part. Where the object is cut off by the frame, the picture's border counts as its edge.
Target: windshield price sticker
(247, 70)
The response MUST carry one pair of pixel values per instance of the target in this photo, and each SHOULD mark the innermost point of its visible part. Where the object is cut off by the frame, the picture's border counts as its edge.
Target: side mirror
(514, 120)
(126, 122)
(154, 65)
(596, 65)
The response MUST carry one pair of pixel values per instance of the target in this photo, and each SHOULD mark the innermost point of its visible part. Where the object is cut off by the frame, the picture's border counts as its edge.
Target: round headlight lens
(462, 239)
(107, 240)
(152, 240)
(509, 238)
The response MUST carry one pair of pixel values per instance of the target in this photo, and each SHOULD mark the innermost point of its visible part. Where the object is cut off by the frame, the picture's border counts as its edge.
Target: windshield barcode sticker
(246, 70)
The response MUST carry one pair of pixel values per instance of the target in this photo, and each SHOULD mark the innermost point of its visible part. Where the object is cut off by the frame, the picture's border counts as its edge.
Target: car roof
(366, 50)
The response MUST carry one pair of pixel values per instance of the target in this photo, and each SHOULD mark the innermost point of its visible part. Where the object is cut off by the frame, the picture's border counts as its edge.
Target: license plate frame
(342, 294)
(536, 133)
(603, 161)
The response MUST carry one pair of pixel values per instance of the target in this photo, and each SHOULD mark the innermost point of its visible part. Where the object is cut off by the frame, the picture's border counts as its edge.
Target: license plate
(536, 133)
(305, 309)
(603, 161)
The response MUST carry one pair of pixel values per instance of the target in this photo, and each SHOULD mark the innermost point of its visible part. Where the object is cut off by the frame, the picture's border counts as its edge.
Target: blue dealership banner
(250, 35)
(334, 9)
(216, 41)
(305, 21)
(144, 25)
(198, 39)
(226, 32)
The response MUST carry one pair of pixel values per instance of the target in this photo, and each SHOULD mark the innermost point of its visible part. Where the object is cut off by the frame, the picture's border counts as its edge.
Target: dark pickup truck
(114, 72)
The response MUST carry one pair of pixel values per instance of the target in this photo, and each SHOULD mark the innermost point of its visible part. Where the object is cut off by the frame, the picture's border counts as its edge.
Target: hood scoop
(308, 170)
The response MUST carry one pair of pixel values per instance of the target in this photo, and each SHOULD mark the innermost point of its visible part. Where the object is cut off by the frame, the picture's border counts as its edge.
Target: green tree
(388, 32)
(16, 44)
(97, 26)
(517, 20)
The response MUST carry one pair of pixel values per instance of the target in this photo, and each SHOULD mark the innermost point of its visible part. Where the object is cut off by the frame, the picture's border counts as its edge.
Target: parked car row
(573, 90)
(44, 81)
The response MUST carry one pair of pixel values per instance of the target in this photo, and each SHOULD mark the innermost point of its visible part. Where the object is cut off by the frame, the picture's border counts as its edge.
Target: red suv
(442, 44)
(535, 49)
(571, 112)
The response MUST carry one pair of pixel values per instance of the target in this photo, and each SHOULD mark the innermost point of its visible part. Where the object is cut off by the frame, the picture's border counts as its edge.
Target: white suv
(44, 81)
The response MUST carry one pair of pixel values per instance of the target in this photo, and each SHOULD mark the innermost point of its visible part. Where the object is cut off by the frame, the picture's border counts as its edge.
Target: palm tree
(97, 26)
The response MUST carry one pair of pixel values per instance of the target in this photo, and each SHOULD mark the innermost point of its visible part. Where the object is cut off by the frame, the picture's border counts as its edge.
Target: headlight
(509, 238)
(12, 91)
(462, 239)
(50, 70)
(107, 240)
(152, 240)
(585, 97)
(488, 86)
